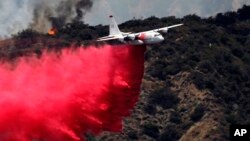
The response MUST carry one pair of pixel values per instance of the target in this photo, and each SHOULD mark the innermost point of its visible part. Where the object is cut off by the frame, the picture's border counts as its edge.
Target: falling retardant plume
(62, 96)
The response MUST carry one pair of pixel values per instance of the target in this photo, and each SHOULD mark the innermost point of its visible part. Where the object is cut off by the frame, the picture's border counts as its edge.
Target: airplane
(146, 37)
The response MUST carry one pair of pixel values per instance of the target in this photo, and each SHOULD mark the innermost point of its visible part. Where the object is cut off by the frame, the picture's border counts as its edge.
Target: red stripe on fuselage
(142, 36)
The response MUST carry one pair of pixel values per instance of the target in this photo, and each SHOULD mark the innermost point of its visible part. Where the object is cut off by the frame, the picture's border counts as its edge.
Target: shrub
(151, 130)
(157, 71)
(205, 66)
(132, 134)
(164, 98)
(198, 113)
(171, 69)
(90, 137)
(171, 133)
(238, 52)
(150, 109)
(198, 80)
(175, 117)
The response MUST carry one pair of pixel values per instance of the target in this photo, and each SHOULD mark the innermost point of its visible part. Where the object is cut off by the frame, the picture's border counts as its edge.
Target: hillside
(196, 83)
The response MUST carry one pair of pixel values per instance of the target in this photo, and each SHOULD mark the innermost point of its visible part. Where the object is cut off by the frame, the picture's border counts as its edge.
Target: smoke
(64, 11)
(40, 15)
(62, 97)
(83, 4)
(14, 16)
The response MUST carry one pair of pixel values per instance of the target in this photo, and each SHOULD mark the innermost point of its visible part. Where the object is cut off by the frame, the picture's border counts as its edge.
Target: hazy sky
(16, 15)
(127, 9)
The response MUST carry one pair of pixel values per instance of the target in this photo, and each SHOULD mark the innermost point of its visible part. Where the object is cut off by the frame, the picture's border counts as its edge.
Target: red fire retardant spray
(61, 97)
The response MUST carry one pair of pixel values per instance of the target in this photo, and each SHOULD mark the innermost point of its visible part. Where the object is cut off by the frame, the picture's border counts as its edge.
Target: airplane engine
(137, 42)
(129, 37)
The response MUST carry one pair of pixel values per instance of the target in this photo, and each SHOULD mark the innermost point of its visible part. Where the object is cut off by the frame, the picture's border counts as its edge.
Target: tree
(244, 13)
(28, 33)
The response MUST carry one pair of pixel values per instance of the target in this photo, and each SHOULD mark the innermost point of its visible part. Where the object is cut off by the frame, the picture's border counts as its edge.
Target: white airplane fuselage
(150, 37)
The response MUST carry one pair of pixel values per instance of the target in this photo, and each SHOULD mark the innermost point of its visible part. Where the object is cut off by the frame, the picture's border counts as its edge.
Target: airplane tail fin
(113, 27)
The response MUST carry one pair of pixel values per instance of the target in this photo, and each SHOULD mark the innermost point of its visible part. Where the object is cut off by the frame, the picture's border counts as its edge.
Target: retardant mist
(60, 97)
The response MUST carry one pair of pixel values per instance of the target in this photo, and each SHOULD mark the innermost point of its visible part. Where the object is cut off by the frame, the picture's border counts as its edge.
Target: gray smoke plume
(39, 15)
(64, 11)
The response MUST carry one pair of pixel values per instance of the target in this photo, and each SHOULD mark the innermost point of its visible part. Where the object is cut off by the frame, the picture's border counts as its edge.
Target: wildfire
(52, 31)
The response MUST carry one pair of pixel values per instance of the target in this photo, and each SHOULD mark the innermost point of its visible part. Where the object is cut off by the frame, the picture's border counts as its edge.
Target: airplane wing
(176, 25)
(165, 29)
(106, 38)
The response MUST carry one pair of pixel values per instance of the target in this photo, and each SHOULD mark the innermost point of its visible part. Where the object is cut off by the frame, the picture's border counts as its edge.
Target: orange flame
(52, 31)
